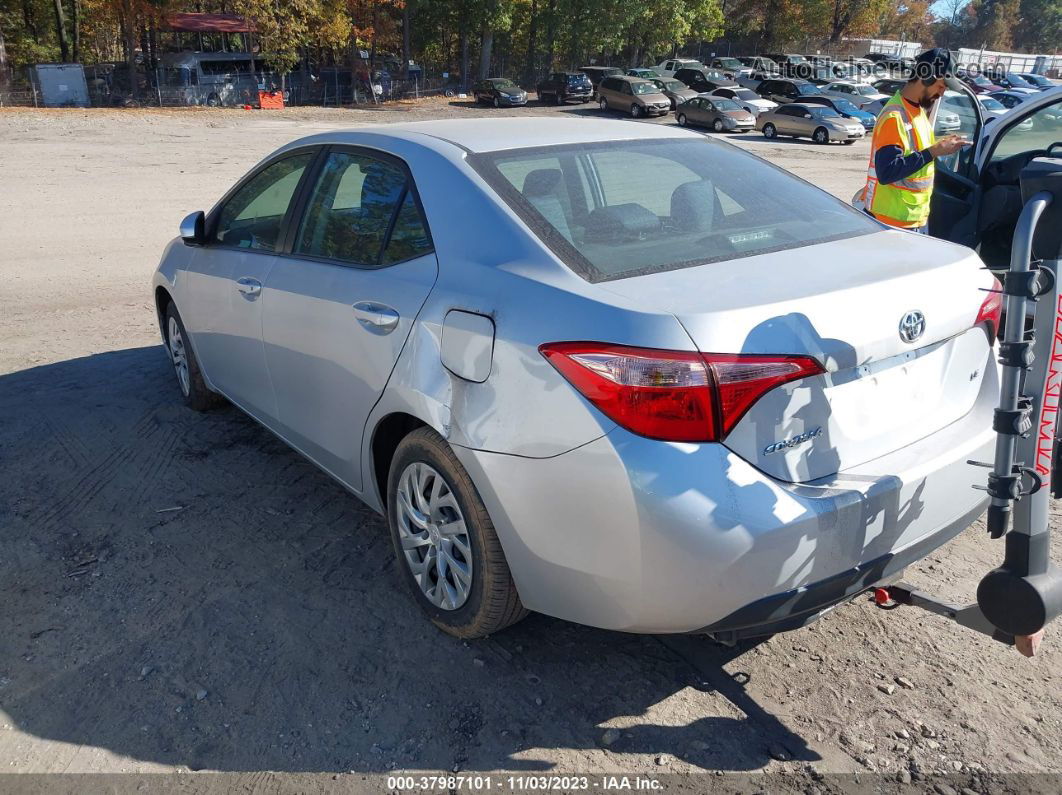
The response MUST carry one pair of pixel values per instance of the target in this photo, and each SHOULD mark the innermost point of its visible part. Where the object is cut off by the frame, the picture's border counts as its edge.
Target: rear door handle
(377, 318)
(250, 288)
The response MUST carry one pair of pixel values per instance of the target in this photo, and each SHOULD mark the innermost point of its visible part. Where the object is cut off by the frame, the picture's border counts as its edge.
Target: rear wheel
(849, 143)
(185, 366)
(717, 125)
(556, 99)
(603, 104)
(681, 119)
(497, 102)
(769, 131)
(448, 552)
(820, 136)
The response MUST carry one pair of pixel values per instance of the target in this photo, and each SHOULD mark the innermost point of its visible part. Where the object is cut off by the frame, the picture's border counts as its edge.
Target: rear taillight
(991, 312)
(673, 395)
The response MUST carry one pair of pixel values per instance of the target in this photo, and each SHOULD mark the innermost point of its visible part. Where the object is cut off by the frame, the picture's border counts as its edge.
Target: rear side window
(362, 211)
(624, 208)
(252, 217)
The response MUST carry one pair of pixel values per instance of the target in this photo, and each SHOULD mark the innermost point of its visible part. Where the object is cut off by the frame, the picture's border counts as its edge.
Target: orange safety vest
(904, 203)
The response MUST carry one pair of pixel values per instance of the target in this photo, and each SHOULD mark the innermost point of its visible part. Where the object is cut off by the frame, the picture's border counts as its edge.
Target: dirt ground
(182, 592)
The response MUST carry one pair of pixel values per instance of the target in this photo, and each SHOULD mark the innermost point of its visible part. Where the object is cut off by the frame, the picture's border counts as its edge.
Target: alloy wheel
(681, 119)
(717, 125)
(179, 356)
(433, 536)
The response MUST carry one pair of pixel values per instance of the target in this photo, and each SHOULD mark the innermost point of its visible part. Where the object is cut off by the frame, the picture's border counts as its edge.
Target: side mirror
(193, 229)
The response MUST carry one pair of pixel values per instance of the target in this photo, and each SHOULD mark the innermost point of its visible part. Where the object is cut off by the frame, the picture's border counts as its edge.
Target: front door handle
(377, 318)
(248, 287)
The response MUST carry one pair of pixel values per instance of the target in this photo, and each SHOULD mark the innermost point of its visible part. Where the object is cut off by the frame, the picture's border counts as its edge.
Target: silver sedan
(617, 373)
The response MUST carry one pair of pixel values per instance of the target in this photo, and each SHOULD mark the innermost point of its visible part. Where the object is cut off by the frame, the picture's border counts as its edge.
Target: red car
(979, 84)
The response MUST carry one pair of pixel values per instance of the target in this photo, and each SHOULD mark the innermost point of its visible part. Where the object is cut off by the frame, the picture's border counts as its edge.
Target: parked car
(788, 63)
(675, 90)
(713, 461)
(730, 67)
(822, 125)
(758, 63)
(863, 96)
(746, 98)
(562, 87)
(632, 95)
(499, 91)
(976, 197)
(671, 65)
(888, 86)
(844, 108)
(598, 73)
(1039, 81)
(1014, 82)
(785, 90)
(1049, 119)
(978, 83)
(645, 74)
(1010, 98)
(902, 67)
(722, 115)
(992, 107)
(704, 80)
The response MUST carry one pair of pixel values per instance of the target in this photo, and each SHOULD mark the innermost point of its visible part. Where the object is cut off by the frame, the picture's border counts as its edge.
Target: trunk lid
(841, 302)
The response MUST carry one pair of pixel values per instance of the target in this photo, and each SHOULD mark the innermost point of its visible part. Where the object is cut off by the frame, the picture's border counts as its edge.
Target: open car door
(976, 195)
(956, 189)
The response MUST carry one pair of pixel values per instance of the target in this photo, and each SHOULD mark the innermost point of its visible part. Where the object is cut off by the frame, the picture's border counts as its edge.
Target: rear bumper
(631, 534)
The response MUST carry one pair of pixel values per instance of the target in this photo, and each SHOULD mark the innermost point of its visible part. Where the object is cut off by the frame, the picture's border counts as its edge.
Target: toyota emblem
(912, 326)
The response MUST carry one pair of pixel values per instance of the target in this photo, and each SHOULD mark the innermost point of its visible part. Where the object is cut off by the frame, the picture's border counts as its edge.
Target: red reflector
(881, 596)
(991, 311)
(675, 396)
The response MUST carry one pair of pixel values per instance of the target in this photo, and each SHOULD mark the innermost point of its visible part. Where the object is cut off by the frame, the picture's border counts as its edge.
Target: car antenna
(1019, 598)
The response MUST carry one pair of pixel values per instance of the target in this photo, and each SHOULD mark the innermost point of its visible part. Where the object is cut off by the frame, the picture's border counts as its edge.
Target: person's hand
(947, 145)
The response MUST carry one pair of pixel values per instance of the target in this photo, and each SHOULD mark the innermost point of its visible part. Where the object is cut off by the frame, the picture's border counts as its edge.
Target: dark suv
(599, 73)
(566, 87)
(702, 80)
(782, 91)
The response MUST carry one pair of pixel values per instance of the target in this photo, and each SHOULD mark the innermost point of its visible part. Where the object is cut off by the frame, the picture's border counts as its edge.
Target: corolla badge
(912, 326)
(785, 444)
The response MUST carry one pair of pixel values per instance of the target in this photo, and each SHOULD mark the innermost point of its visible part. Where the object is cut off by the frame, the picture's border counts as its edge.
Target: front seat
(693, 207)
(544, 189)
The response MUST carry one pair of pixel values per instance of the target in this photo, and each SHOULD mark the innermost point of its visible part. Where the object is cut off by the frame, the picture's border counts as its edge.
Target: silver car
(821, 124)
(617, 373)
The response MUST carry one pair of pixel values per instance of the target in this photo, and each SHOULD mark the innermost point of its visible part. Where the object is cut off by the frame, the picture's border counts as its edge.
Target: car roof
(489, 135)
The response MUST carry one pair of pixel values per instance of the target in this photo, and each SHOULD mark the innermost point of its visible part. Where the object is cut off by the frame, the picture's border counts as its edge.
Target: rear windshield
(615, 209)
(578, 80)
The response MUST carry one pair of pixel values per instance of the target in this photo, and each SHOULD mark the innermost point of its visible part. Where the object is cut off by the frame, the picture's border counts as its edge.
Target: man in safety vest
(900, 173)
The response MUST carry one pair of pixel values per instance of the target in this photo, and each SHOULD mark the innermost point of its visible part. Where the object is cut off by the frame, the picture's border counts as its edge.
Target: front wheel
(448, 552)
(681, 119)
(636, 111)
(849, 143)
(820, 136)
(769, 131)
(717, 125)
(185, 366)
(602, 104)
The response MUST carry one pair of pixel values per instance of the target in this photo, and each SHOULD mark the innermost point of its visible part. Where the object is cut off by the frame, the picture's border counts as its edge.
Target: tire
(213, 101)
(186, 367)
(849, 143)
(584, 101)
(681, 119)
(717, 125)
(769, 131)
(820, 136)
(490, 603)
(557, 99)
(497, 102)
(602, 104)
(636, 111)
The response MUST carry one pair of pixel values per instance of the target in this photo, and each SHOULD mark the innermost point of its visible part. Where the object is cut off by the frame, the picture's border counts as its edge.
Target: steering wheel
(1052, 147)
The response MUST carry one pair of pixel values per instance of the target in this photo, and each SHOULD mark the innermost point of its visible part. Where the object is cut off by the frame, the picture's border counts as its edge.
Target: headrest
(542, 182)
(621, 221)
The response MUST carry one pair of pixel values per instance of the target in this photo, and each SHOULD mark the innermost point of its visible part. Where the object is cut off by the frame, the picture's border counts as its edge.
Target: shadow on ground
(181, 588)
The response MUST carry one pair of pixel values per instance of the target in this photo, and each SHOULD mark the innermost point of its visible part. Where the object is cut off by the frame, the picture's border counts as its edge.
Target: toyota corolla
(616, 373)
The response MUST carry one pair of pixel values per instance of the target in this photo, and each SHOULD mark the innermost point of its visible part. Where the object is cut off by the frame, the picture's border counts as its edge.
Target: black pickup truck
(561, 87)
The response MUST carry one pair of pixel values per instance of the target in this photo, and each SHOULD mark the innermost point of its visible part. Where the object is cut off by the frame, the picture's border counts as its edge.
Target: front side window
(351, 210)
(253, 216)
(615, 209)
(1035, 133)
(959, 107)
